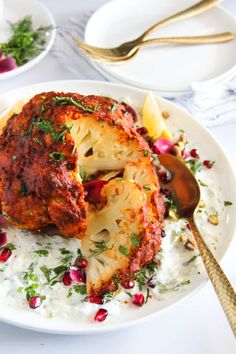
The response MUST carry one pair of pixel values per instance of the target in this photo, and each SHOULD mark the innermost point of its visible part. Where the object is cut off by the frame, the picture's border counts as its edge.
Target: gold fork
(128, 49)
(101, 53)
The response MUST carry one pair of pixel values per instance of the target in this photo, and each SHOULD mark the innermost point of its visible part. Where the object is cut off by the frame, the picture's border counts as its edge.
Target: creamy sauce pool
(177, 267)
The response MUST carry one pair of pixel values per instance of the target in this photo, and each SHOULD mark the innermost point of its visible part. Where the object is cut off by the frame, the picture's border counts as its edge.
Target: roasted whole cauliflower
(78, 162)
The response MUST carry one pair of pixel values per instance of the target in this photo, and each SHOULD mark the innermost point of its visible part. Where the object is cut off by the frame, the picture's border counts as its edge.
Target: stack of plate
(166, 69)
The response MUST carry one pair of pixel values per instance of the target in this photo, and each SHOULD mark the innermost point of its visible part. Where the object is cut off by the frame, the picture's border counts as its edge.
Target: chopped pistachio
(213, 219)
(190, 245)
(202, 204)
(165, 115)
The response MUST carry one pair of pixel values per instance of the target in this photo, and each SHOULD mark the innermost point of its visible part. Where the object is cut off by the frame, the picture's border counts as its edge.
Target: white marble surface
(197, 326)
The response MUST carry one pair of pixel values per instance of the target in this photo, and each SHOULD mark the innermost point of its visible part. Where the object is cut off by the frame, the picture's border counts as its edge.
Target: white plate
(168, 69)
(13, 11)
(209, 148)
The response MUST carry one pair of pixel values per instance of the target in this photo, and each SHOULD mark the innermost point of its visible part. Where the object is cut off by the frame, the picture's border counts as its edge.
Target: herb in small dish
(24, 44)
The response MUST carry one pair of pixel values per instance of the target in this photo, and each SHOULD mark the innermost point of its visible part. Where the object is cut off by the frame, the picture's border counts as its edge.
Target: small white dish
(166, 69)
(208, 148)
(13, 11)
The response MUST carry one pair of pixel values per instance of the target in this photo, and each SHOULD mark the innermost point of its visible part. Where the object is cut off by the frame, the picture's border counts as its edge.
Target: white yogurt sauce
(170, 274)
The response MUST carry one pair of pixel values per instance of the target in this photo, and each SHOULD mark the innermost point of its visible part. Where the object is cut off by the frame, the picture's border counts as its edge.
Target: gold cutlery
(101, 53)
(127, 50)
(186, 193)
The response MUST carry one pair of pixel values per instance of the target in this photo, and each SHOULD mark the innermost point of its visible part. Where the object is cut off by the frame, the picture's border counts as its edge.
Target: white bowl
(13, 11)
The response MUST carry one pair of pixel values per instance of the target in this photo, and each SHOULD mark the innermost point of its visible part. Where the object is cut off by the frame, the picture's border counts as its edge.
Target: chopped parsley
(195, 165)
(42, 253)
(23, 189)
(64, 251)
(123, 250)
(144, 274)
(83, 174)
(46, 126)
(147, 295)
(164, 288)
(57, 156)
(113, 108)
(52, 274)
(10, 245)
(64, 100)
(145, 152)
(100, 247)
(202, 183)
(192, 259)
(147, 188)
(78, 289)
(227, 203)
(14, 158)
(134, 240)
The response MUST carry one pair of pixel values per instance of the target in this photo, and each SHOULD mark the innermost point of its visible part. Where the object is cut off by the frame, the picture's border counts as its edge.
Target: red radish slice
(7, 64)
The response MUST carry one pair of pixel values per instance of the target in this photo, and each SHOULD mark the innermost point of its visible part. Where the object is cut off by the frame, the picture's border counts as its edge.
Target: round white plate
(168, 69)
(222, 172)
(13, 11)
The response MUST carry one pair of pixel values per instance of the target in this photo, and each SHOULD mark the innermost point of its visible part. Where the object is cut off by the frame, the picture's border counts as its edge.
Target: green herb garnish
(123, 250)
(147, 188)
(23, 189)
(227, 203)
(145, 152)
(100, 247)
(64, 100)
(42, 253)
(11, 246)
(192, 259)
(57, 156)
(202, 183)
(83, 174)
(164, 288)
(134, 240)
(14, 158)
(25, 43)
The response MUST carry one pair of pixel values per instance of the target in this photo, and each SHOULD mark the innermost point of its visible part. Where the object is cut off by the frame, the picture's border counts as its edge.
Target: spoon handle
(221, 284)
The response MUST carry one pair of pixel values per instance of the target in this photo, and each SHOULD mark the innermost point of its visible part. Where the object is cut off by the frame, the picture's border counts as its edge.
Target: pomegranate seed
(164, 175)
(208, 164)
(188, 226)
(67, 279)
(81, 262)
(77, 275)
(165, 192)
(152, 282)
(5, 255)
(101, 315)
(142, 130)
(194, 153)
(94, 299)
(35, 301)
(138, 299)
(93, 190)
(128, 284)
(3, 238)
(163, 234)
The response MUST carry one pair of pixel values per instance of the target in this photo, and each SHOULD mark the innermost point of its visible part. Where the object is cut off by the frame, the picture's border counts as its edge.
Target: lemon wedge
(152, 118)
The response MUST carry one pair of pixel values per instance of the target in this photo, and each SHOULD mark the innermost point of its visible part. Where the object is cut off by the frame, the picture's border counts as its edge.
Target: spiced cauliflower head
(78, 162)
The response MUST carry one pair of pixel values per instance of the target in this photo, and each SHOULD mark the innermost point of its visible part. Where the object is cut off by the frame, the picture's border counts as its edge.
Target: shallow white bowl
(13, 11)
(208, 147)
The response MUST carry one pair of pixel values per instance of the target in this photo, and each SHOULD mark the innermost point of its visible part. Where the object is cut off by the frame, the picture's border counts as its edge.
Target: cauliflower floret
(108, 244)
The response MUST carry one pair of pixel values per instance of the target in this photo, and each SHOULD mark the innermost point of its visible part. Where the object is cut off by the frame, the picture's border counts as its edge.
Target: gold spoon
(186, 193)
